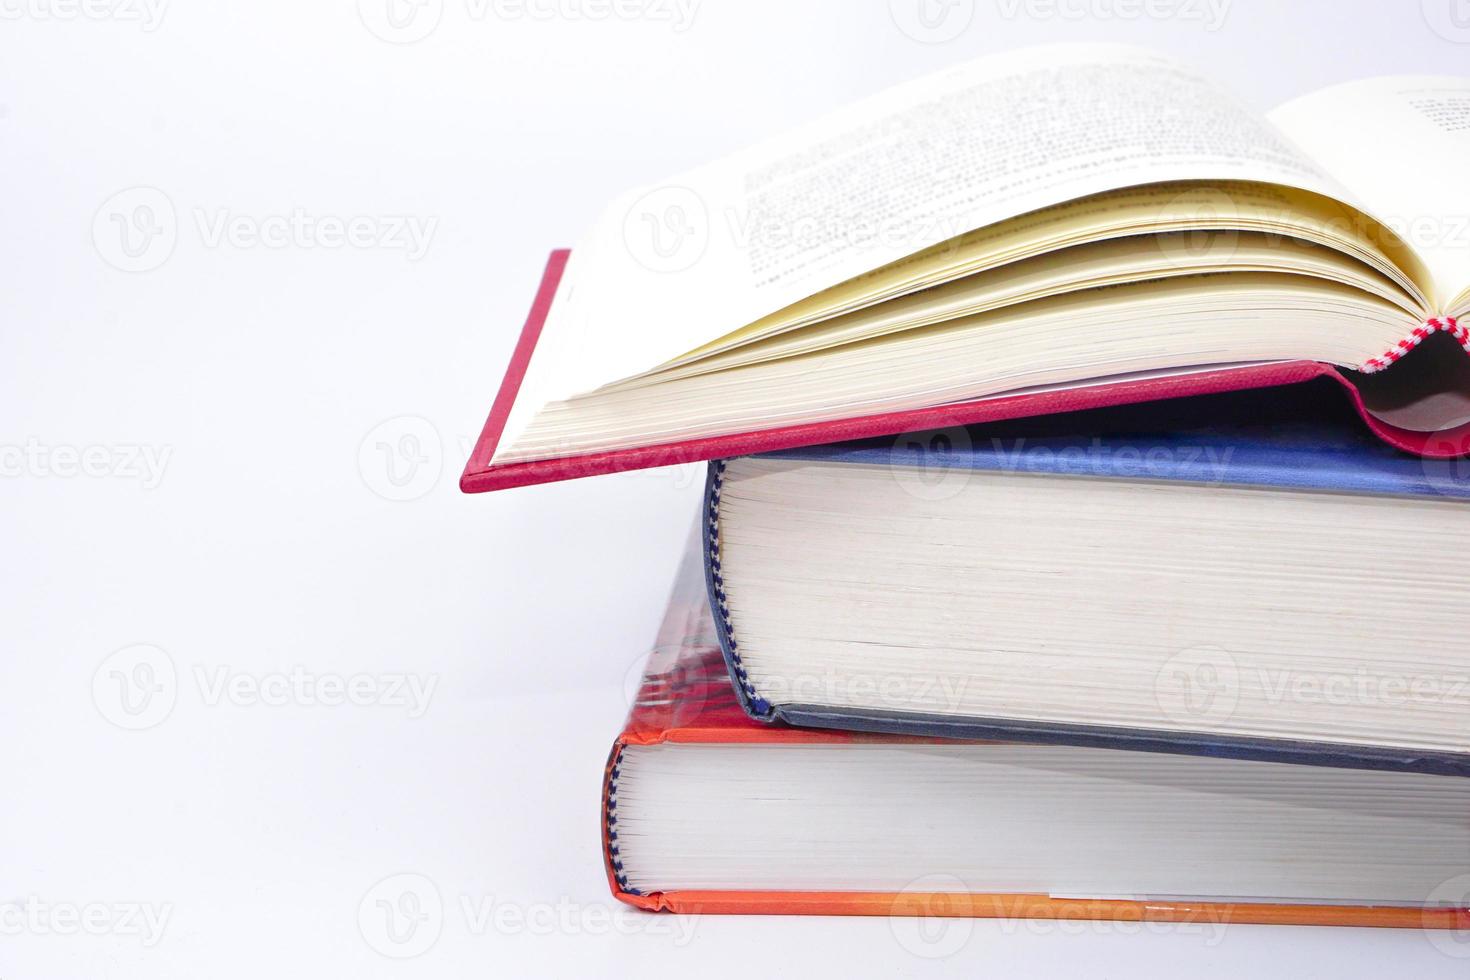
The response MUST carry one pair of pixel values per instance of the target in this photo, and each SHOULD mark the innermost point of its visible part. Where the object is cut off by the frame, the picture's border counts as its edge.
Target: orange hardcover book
(707, 811)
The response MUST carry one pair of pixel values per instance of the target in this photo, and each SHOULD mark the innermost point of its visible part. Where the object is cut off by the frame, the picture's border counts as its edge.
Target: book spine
(978, 905)
(913, 724)
(755, 706)
(617, 876)
(1431, 327)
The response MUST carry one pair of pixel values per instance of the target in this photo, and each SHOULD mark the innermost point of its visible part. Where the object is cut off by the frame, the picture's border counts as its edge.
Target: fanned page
(673, 268)
(1401, 145)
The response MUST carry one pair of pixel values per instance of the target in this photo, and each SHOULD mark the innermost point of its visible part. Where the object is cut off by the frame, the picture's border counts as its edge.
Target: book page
(1144, 211)
(1402, 146)
(1100, 264)
(670, 268)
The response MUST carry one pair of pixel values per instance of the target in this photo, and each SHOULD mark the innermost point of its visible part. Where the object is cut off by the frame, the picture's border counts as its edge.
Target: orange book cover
(686, 697)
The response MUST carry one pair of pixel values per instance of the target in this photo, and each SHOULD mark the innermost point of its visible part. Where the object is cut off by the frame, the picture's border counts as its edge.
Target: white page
(1401, 145)
(869, 184)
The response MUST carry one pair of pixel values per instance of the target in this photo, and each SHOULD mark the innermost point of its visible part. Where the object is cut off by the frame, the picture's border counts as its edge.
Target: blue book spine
(1308, 450)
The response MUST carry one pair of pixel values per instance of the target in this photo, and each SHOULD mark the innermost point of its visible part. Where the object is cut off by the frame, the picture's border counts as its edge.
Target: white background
(285, 393)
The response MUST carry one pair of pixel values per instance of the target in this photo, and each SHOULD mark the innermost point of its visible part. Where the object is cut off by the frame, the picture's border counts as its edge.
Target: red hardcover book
(1028, 233)
(686, 711)
(1383, 390)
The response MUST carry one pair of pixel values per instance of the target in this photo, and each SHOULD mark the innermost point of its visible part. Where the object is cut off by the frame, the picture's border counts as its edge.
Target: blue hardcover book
(1227, 576)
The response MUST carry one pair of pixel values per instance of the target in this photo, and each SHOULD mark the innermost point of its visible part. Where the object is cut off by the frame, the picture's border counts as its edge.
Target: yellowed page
(1110, 262)
(669, 268)
(1148, 326)
(1401, 145)
(1231, 206)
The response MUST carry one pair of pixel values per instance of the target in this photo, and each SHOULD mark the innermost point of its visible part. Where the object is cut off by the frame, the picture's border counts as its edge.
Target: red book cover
(479, 475)
(686, 697)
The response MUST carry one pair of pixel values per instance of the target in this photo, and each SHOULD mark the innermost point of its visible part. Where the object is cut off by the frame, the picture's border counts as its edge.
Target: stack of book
(1090, 540)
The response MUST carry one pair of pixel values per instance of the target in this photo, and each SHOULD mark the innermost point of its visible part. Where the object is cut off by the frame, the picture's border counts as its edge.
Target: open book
(1041, 220)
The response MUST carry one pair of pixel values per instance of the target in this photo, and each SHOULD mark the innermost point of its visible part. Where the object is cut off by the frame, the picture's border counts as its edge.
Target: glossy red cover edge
(479, 476)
